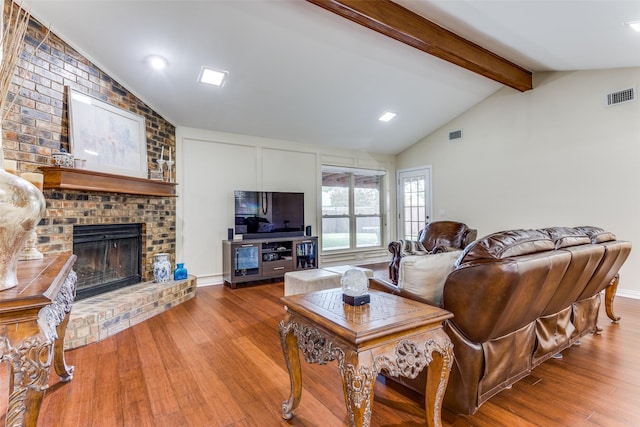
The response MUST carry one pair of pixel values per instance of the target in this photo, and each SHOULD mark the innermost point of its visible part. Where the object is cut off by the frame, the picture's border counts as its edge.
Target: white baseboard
(210, 279)
(628, 293)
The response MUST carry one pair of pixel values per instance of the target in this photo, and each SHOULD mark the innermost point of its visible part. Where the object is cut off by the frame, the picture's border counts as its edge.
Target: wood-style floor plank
(216, 360)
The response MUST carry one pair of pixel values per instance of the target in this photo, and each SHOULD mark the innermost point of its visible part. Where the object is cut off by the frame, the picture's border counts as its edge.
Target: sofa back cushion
(597, 235)
(506, 244)
(564, 237)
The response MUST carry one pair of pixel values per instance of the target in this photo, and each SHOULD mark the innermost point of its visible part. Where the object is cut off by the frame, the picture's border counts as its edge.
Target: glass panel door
(306, 254)
(414, 202)
(246, 260)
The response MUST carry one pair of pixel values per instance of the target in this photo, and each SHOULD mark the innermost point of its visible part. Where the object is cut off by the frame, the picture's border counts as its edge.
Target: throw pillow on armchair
(424, 276)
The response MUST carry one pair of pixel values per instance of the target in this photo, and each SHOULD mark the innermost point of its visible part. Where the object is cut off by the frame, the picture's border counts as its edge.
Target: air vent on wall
(456, 134)
(621, 96)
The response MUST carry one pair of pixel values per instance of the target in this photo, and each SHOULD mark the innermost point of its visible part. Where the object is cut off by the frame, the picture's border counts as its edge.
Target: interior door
(414, 201)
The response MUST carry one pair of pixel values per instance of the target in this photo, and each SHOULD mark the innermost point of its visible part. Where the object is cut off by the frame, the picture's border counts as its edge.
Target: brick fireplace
(69, 208)
(36, 126)
(100, 316)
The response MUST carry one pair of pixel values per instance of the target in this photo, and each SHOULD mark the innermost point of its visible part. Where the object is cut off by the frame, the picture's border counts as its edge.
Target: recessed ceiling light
(387, 116)
(635, 25)
(157, 62)
(212, 77)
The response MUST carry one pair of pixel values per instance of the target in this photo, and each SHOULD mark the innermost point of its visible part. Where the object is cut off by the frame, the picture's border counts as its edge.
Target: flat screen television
(264, 214)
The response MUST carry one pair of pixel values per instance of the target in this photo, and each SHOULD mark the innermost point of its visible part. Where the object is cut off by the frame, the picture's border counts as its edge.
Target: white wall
(553, 156)
(211, 165)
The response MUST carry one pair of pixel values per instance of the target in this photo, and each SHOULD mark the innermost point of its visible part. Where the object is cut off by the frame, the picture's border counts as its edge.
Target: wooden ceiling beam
(399, 23)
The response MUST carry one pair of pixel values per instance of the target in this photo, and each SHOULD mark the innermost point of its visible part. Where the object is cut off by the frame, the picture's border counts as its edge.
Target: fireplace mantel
(61, 178)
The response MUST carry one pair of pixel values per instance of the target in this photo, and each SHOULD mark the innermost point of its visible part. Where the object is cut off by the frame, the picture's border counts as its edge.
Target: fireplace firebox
(109, 257)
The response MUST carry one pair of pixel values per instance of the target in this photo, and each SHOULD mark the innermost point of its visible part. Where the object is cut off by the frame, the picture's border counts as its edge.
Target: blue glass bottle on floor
(180, 273)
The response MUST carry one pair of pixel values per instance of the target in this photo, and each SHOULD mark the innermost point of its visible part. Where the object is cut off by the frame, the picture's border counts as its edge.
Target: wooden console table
(33, 320)
(391, 334)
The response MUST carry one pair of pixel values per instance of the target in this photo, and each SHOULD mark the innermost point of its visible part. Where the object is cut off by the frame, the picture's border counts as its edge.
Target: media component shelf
(261, 259)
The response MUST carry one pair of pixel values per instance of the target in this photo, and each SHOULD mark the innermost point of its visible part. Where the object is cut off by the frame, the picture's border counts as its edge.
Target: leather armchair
(435, 237)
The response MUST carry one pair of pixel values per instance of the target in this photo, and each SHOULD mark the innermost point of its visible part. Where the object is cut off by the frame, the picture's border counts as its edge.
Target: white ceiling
(300, 73)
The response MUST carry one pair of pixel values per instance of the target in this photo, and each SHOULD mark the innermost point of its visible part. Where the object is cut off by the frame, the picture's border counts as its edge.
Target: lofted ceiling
(300, 73)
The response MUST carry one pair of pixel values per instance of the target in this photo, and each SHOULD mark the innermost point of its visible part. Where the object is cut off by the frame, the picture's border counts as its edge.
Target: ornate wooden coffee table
(394, 334)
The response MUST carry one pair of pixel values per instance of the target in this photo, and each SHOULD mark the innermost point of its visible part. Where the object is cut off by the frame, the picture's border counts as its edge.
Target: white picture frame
(110, 139)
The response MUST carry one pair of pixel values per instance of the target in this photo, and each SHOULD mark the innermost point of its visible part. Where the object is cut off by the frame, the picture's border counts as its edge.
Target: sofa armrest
(394, 263)
(394, 248)
(383, 285)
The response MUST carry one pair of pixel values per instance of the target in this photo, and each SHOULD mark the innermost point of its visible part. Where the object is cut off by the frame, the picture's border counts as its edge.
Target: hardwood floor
(216, 361)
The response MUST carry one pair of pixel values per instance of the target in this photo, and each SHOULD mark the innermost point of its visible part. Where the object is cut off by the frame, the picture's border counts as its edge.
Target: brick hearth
(96, 318)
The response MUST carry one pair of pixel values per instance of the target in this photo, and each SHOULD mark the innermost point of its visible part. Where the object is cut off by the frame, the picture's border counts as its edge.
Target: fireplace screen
(109, 257)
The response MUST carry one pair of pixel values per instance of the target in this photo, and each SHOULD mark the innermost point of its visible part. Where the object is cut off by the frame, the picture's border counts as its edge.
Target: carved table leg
(609, 294)
(358, 382)
(289, 345)
(437, 379)
(29, 373)
(62, 369)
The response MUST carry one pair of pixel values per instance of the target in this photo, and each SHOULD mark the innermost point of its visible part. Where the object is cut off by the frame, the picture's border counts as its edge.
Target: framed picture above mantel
(109, 138)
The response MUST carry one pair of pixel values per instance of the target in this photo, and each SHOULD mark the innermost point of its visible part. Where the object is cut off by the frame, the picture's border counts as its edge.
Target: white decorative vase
(161, 268)
(21, 207)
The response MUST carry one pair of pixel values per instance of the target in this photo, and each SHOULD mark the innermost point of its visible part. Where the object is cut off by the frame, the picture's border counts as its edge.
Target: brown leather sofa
(519, 297)
(435, 237)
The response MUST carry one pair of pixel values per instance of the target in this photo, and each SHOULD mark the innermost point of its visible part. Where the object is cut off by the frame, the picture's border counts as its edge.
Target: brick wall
(37, 125)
